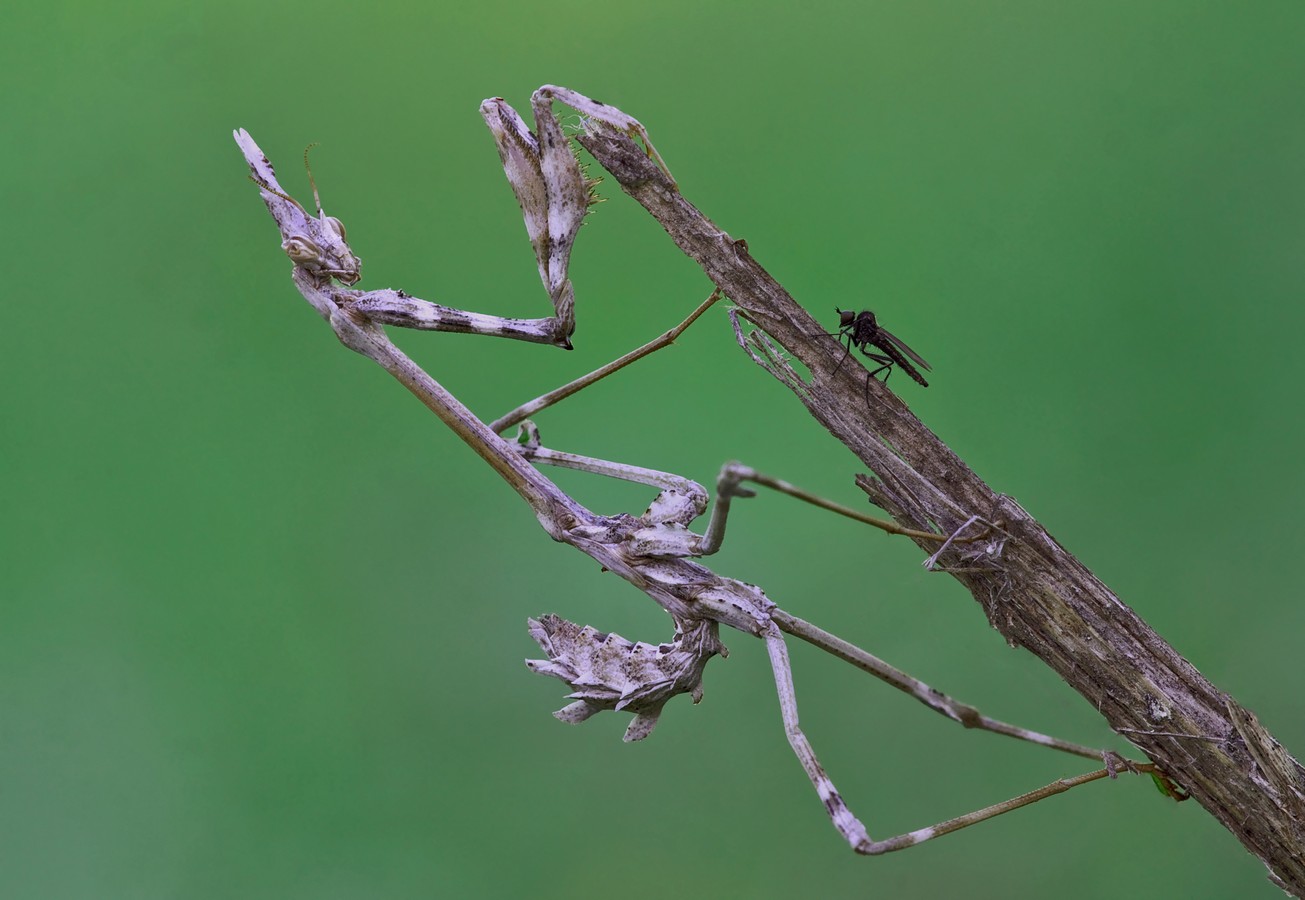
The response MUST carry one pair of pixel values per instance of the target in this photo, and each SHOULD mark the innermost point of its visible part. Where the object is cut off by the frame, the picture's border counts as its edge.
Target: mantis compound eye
(301, 250)
(336, 225)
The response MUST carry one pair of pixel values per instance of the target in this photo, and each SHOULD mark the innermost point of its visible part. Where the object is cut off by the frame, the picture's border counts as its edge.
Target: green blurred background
(264, 617)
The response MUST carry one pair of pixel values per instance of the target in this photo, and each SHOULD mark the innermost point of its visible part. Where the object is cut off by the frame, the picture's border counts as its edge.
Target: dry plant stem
(1037, 594)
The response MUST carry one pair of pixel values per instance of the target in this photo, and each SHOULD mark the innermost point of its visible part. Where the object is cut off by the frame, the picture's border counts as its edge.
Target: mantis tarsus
(654, 551)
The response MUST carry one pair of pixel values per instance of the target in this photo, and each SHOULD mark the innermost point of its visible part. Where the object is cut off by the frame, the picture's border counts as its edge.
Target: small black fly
(863, 332)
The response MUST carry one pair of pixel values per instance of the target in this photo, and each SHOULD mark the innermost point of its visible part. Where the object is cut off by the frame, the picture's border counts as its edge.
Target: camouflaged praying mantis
(654, 551)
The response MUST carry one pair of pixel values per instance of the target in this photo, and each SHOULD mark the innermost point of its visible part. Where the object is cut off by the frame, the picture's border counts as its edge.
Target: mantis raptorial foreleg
(549, 185)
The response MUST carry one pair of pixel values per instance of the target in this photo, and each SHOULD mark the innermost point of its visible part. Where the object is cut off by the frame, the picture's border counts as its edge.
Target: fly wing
(888, 335)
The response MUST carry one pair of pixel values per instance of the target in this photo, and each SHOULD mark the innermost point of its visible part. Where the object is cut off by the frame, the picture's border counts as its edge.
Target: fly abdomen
(901, 362)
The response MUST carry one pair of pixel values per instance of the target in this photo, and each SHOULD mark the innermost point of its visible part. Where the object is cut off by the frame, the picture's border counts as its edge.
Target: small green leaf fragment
(1166, 786)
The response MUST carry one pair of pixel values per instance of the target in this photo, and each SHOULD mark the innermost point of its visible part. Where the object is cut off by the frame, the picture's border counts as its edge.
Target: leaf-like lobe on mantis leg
(549, 184)
(605, 671)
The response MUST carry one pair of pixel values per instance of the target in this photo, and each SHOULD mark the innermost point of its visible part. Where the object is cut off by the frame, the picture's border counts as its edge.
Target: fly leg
(885, 366)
